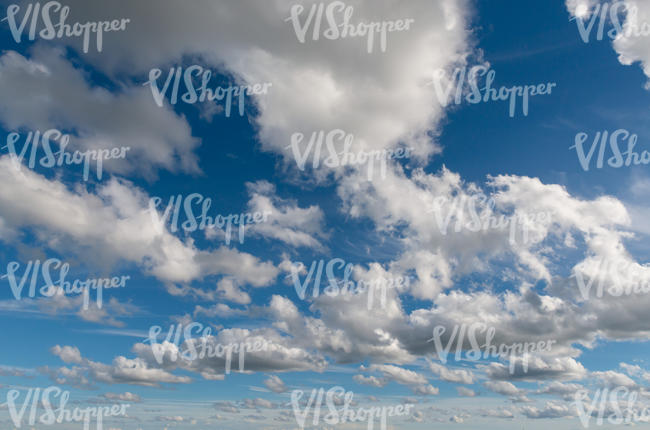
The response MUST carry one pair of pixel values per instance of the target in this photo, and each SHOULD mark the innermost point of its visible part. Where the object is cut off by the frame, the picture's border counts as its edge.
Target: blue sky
(384, 227)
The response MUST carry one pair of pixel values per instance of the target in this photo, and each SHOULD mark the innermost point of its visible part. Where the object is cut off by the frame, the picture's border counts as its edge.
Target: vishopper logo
(338, 396)
(344, 287)
(618, 406)
(230, 94)
(618, 158)
(516, 352)
(615, 10)
(59, 286)
(336, 140)
(62, 413)
(477, 213)
(622, 279)
(205, 346)
(444, 84)
(59, 29)
(172, 214)
(338, 16)
(61, 157)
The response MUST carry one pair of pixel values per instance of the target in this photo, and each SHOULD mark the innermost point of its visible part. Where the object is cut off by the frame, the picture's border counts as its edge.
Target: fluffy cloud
(67, 354)
(121, 371)
(275, 384)
(397, 374)
(287, 222)
(466, 392)
(497, 413)
(629, 35)
(550, 410)
(174, 419)
(566, 391)
(227, 289)
(630, 44)
(373, 381)
(611, 379)
(280, 354)
(635, 371)
(460, 376)
(504, 388)
(538, 368)
(426, 390)
(359, 99)
(100, 119)
(115, 225)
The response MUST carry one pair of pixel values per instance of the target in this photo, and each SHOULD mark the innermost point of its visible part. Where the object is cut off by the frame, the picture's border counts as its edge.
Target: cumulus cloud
(360, 99)
(628, 31)
(564, 390)
(497, 413)
(550, 410)
(397, 374)
(278, 354)
(157, 138)
(460, 376)
(227, 289)
(465, 392)
(635, 370)
(275, 384)
(426, 390)
(502, 387)
(112, 224)
(370, 380)
(121, 371)
(116, 225)
(286, 222)
(613, 379)
(538, 368)
(67, 354)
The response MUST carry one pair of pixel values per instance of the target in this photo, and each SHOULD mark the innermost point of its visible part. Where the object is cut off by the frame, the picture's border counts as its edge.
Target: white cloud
(497, 413)
(631, 45)
(538, 368)
(466, 392)
(359, 99)
(218, 310)
(373, 381)
(227, 289)
(550, 410)
(286, 222)
(504, 388)
(115, 225)
(275, 384)
(566, 391)
(282, 354)
(101, 120)
(68, 354)
(425, 390)
(629, 31)
(397, 374)
(635, 371)
(121, 371)
(581, 8)
(460, 376)
(613, 379)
